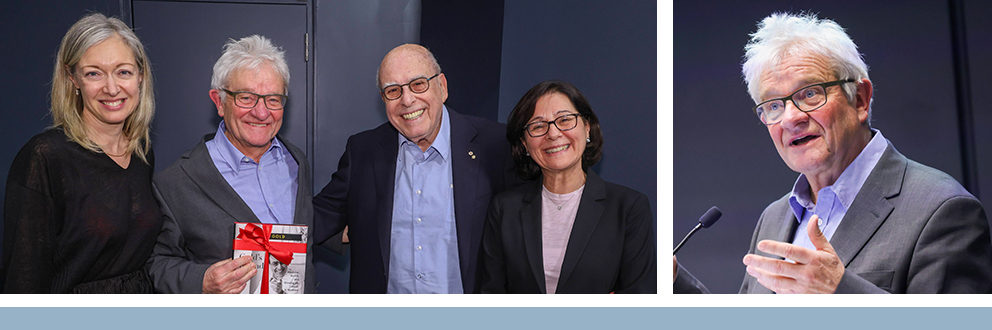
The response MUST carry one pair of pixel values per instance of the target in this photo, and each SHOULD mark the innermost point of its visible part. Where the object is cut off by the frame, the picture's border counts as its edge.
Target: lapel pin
(470, 153)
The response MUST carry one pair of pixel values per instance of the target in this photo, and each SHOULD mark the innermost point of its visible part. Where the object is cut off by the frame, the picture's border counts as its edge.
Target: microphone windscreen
(710, 217)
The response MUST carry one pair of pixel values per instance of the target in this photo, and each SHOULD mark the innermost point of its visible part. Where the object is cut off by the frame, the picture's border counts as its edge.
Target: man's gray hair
(781, 34)
(248, 53)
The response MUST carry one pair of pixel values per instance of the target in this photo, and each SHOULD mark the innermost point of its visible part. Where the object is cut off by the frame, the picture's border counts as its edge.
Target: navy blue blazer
(360, 195)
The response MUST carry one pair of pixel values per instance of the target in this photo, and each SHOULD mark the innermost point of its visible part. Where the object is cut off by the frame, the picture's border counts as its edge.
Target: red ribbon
(256, 238)
(260, 236)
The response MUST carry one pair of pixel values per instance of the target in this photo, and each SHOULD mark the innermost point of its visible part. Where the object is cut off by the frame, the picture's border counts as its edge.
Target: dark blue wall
(466, 38)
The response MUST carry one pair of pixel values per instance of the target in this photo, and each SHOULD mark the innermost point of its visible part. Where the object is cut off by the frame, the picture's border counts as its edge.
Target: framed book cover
(279, 253)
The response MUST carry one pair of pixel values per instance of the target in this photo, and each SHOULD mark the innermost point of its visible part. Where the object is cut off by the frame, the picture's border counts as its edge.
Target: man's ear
(215, 96)
(862, 99)
(443, 84)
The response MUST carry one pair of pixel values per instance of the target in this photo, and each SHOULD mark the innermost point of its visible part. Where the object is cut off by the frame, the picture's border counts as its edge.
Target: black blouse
(75, 221)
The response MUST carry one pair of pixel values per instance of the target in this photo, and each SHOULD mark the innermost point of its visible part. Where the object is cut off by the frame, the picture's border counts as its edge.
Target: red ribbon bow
(260, 236)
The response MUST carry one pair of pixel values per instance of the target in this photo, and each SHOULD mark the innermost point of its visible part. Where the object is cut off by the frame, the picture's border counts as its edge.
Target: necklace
(550, 197)
(113, 155)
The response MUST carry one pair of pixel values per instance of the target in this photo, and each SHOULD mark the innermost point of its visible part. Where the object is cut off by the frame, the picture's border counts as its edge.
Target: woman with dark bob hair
(566, 231)
(79, 215)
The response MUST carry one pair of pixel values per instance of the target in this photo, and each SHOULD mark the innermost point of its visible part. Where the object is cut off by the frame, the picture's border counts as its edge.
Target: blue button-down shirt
(267, 186)
(423, 253)
(832, 202)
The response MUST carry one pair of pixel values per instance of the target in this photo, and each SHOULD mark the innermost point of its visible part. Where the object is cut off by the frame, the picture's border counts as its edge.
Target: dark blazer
(360, 195)
(200, 209)
(611, 247)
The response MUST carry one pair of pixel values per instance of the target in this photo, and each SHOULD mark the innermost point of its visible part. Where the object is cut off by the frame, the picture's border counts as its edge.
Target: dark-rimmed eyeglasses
(563, 123)
(248, 100)
(417, 86)
(805, 99)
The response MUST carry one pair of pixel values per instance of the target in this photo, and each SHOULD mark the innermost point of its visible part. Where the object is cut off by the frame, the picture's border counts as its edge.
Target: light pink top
(557, 217)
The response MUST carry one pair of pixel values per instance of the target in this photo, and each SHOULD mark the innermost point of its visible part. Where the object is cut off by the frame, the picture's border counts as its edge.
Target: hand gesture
(812, 271)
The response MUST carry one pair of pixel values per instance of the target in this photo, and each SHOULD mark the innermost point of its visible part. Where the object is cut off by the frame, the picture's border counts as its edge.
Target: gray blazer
(911, 229)
(199, 209)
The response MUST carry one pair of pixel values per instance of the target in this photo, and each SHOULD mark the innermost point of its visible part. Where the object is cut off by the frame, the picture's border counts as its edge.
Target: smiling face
(821, 143)
(557, 152)
(108, 79)
(416, 116)
(251, 130)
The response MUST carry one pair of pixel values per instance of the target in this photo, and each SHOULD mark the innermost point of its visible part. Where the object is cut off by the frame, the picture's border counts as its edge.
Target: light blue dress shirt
(267, 186)
(423, 253)
(832, 202)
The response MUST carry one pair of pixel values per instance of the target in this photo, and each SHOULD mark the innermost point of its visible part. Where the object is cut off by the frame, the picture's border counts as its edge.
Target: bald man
(414, 191)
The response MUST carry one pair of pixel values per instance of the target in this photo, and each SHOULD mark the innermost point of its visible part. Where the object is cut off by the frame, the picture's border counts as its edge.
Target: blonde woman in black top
(79, 215)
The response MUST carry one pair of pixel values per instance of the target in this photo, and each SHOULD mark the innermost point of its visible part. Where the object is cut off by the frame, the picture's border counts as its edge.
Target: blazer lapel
(787, 230)
(464, 176)
(530, 222)
(384, 167)
(204, 173)
(586, 219)
(303, 214)
(871, 206)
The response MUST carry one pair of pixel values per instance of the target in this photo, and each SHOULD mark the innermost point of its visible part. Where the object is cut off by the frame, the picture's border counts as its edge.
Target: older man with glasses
(241, 173)
(414, 192)
(861, 217)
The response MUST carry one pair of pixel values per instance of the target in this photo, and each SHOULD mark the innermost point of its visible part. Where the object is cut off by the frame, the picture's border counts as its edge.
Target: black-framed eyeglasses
(563, 123)
(248, 100)
(417, 86)
(806, 99)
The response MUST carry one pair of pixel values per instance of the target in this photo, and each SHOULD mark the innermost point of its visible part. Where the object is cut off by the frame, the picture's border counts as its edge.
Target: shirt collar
(848, 184)
(231, 156)
(442, 143)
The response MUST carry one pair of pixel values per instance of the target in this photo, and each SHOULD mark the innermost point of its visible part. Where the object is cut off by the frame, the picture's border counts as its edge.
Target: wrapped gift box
(279, 253)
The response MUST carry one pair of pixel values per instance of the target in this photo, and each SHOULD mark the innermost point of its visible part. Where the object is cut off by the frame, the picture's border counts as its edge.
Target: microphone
(705, 221)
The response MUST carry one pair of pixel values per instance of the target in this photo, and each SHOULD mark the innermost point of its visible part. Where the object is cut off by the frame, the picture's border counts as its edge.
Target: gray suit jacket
(200, 209)
(911, 229)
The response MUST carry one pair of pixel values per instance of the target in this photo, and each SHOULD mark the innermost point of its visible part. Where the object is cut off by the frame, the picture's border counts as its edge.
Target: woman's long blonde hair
(67, 105)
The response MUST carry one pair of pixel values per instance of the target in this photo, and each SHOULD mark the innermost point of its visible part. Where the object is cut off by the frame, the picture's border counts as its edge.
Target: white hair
(248, 53)
(781, 34)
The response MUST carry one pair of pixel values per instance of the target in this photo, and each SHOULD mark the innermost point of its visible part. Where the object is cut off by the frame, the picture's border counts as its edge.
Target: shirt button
(418, 191)
(452, 186)
(418, 220)
(419, 247)
(819, 222)
(420, 276)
